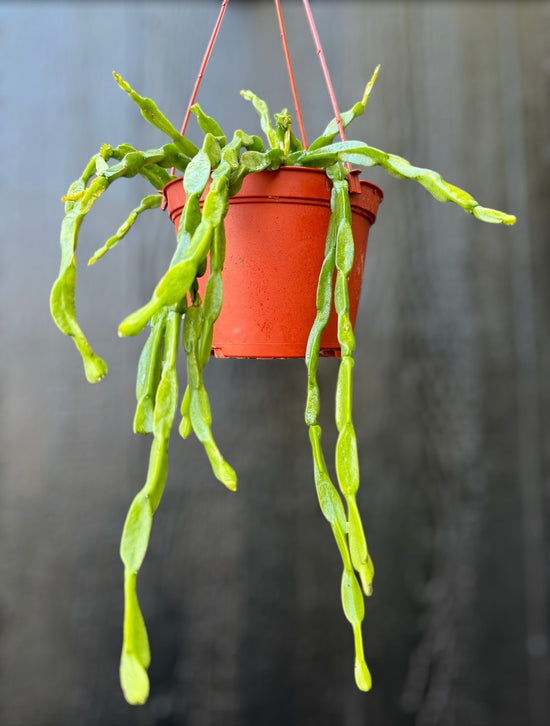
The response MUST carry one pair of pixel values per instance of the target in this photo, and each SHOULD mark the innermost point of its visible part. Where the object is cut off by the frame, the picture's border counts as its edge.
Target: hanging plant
(185, 307)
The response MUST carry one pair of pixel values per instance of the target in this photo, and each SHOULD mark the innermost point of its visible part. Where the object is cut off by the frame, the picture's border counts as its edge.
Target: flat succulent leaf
(197, 173)
(208, 124)
(363, 677)
(352, 598)
(133, 679)
(136, 532)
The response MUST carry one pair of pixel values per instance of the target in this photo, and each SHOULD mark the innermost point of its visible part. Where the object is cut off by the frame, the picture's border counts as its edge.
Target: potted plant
(201, 191)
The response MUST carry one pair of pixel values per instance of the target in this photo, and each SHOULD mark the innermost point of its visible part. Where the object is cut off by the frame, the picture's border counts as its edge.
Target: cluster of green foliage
(175, 311)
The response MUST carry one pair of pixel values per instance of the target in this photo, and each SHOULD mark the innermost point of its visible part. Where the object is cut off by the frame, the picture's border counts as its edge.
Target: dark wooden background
(241, 592)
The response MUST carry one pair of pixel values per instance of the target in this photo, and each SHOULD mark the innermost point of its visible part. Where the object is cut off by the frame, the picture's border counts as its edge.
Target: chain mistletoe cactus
(176, 313)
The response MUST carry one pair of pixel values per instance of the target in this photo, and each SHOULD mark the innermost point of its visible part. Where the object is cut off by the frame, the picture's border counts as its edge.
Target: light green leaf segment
(178, 319)
(347, 529)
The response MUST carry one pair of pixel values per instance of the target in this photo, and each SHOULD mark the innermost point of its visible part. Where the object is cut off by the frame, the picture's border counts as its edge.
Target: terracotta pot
(275, 229)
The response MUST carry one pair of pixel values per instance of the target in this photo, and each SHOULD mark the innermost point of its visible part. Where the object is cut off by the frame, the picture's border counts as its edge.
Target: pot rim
(292, 169)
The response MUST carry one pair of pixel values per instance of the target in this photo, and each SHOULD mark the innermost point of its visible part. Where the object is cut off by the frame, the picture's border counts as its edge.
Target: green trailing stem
(198, 326)
(347, 531)
(79, 200)
(214, 173)
(346, 118)
(154, 116)
(179, 278)
(356, 152)
(62, 297)
(347, 460)
(135, 656)
(199, 406)
(352, 597)
(152, 201)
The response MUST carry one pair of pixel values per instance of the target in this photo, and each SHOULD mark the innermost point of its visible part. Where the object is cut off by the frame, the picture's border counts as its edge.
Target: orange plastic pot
(275, 230)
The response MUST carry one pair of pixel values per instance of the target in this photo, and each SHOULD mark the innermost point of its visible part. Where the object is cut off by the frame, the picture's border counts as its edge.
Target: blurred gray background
(241, 591)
